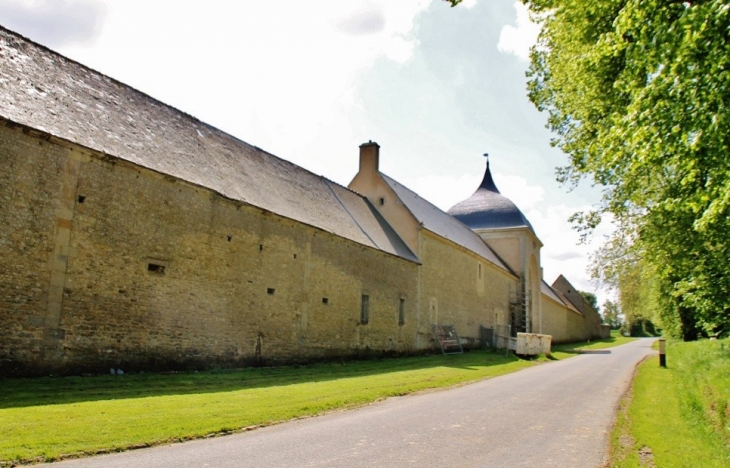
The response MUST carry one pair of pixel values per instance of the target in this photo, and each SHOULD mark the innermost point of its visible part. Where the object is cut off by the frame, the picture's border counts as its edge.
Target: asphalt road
(554, 415)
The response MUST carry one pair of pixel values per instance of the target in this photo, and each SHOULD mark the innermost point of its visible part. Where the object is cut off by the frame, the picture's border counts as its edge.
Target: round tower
(501, 224)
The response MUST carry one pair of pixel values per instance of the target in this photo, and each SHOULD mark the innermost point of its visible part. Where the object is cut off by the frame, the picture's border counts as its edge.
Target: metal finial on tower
(486, 155)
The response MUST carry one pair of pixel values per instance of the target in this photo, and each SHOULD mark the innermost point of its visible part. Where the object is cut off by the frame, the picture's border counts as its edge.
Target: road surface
(554, 415)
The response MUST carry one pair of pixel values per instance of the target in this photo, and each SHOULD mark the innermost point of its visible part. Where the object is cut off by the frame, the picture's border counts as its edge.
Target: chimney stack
(369, 157)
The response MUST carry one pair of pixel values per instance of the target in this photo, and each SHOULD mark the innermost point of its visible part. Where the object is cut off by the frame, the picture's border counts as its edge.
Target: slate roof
(436, 221)
(489, 209)
(557, 296)
(46, 91)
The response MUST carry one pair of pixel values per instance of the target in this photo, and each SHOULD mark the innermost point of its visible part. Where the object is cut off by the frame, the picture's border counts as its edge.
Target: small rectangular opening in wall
(381, 201)
(156, 268)
(480, 271)
(365, 309)
(261, 247)
(295, 256)
(270, 291)
(229, 238)
(402, 311)
(81, 198)
(325, 300)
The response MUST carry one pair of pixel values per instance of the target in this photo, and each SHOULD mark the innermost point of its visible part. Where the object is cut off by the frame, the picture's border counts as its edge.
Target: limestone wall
(564, 324)
(109, 264)
(460, 288)
(554, 320)
(592, 320)
(576, 327)
(33, 229)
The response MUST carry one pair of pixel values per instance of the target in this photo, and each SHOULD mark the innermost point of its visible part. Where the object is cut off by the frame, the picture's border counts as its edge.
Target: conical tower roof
(489, 209)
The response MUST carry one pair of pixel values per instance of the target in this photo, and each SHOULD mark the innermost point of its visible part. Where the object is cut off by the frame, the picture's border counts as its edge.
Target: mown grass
(46, 419)
(51, 418)
(562, 351)
(678, 416)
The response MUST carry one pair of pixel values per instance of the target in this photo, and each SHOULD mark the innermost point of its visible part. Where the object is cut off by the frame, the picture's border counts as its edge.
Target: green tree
(611, 314)
(638, 95)
(590, 298)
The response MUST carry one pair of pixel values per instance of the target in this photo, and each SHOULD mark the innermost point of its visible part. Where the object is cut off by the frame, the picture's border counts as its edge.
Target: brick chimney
(369, 157)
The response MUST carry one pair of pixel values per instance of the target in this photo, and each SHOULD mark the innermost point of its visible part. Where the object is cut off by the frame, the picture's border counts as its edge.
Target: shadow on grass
(573, 348)
(23, 392)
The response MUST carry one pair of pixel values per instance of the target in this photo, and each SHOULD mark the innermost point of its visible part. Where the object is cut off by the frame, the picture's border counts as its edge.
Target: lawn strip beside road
(53, 418)
(678, 416)
(562, 351)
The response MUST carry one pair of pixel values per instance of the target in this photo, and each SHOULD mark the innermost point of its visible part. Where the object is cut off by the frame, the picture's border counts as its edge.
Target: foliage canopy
(638, 95)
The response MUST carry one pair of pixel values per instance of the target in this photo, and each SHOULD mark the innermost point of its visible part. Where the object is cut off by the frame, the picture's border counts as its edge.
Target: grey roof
(371, 222)
(489, 209)
(436, 221)
(562, 297)
(557, 296)
(548, 291)
(46, 91)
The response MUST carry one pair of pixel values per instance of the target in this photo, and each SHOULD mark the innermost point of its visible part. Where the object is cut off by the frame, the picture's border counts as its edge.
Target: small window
(156, 268)
(402, 311)
(480, 271)
(365, 309)
(270, 291)
(81, 198)
(381, 201)
(325, 300)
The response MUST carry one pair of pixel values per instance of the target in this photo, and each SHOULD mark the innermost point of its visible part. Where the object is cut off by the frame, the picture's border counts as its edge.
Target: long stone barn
(136, 236)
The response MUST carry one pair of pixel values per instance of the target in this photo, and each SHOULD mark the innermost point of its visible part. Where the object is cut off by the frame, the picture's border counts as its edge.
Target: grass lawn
(52, 418)
(49, 418)
(562, 351)
(678, 416)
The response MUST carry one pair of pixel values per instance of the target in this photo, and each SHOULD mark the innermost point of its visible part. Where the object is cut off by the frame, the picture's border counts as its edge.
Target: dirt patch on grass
(646, 457)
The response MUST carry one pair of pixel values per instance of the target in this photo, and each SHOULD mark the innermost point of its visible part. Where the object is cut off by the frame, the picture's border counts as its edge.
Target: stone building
(136, 236)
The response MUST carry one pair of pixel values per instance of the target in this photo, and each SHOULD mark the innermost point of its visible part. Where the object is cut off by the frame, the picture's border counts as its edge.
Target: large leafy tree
(638, 95)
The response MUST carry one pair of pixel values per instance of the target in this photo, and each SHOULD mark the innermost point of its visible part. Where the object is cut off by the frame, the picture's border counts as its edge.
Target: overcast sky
(309, 81)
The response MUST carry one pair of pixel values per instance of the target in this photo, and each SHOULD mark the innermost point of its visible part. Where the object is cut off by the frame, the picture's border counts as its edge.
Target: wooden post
(662, 352)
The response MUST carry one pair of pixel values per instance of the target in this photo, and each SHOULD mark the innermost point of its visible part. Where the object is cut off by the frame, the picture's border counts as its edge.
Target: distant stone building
(136, 236)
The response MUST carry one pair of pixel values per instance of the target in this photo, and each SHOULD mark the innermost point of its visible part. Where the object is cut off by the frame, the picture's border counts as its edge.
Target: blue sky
(310, 81)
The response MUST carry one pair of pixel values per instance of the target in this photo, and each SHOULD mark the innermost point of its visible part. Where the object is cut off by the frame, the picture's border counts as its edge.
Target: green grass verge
(52, 418)
(45, 419)
(678, 416)
(562, 351)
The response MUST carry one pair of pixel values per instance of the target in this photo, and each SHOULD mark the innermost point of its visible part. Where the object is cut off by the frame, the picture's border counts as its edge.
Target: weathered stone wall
(565, 325)
(592, 320)
(457, 287)
(31, 182)
(554, 320)
(109, 264)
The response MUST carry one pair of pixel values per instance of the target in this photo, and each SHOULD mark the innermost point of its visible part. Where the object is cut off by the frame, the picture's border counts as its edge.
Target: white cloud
(519, 38)
(516, 188)
(281, 76)
(444, 191)
(562, 253)
(54, 23)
